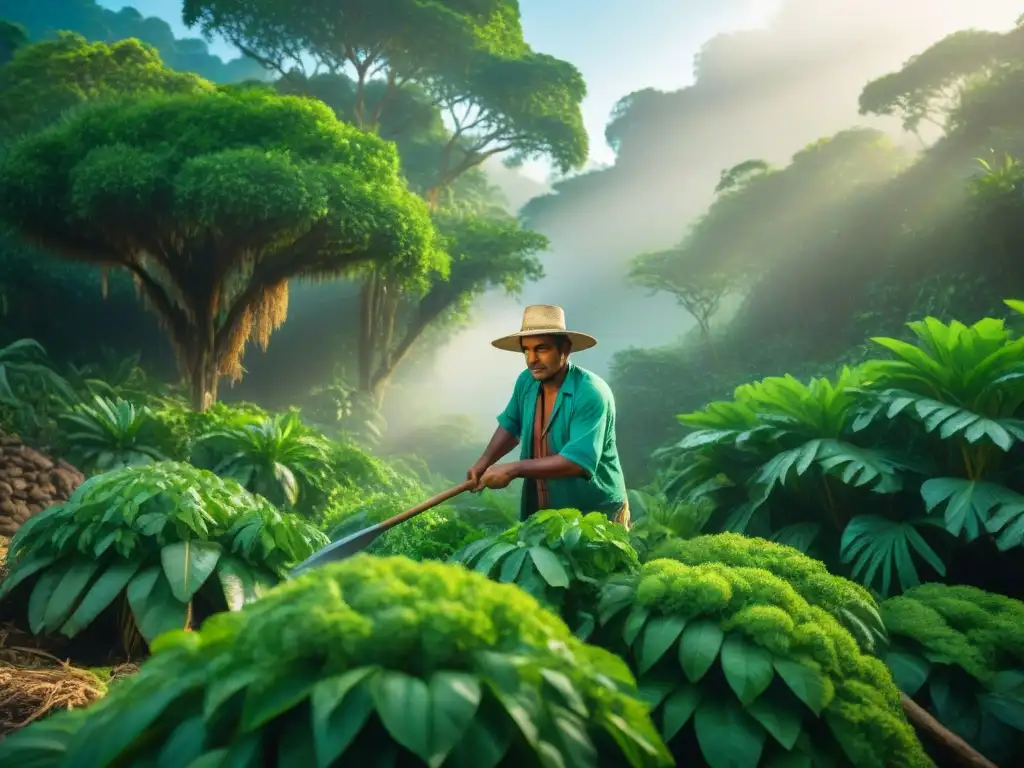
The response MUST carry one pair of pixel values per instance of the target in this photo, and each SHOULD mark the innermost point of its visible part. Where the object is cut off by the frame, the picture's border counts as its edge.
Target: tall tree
(487, 252)
(48, 78)
(213, 203)
(929, 86)
(699, 293)
(407, 62)
(468, 56)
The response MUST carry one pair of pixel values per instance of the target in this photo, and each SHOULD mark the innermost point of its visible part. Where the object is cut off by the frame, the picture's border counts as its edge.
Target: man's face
(545, 356)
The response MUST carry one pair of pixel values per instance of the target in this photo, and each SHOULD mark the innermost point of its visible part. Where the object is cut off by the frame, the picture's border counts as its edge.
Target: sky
(620, 46)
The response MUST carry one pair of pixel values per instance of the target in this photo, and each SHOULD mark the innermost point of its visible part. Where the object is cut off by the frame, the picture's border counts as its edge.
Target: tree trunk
(927, 726)
(203, 377)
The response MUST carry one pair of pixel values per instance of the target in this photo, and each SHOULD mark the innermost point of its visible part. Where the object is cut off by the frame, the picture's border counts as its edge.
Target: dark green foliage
(960, 653)
(656, 521)
(279, 458)
(369, 660)
(31, 391)
(559, 556)
(162, 543)
(743, 671)
(887, 472)
(106, 434)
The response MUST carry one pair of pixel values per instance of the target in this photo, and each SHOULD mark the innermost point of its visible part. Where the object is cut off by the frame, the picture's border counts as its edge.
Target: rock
(30, 482)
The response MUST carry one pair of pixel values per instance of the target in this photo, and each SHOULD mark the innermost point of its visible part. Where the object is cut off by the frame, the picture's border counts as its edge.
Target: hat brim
(513, 342)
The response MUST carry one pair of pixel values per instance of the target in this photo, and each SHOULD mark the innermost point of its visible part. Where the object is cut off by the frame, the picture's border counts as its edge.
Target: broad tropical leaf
(154, 535)
(876, 545)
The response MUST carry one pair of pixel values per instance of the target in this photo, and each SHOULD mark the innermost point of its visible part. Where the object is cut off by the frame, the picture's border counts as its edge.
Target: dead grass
(34, 683)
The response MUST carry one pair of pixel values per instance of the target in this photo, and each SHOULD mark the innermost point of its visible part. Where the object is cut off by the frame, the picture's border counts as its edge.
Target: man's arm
(547, 468)
(502, 441)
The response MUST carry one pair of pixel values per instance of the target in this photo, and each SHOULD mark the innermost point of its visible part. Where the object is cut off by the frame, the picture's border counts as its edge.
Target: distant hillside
(44, 18)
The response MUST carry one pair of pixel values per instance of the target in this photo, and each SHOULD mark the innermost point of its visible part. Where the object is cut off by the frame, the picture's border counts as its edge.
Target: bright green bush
(848, 603)
(743, 671)
(167, 541)
(559, 556)
(374, 661)
(959, 652)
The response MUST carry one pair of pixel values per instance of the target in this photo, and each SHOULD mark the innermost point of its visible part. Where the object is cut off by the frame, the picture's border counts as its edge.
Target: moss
(770, 612)
(976, 630)
(808, 576)
(389, 613)
(851, 604)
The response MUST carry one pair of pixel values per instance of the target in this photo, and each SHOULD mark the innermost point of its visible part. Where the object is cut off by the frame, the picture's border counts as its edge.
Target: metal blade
(339, 550)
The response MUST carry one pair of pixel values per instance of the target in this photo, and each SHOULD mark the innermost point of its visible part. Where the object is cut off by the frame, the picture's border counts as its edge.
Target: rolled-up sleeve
(586, 434)
(511, 419)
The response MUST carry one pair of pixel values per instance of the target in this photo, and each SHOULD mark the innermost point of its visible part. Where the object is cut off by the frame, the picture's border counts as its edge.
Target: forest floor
(34, 682)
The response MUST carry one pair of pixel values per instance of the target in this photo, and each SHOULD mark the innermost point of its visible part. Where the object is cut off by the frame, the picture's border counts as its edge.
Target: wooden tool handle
(428, 504)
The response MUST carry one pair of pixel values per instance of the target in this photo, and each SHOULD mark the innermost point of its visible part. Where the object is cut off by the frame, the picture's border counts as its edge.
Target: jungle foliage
(896, 472)
(859, 233)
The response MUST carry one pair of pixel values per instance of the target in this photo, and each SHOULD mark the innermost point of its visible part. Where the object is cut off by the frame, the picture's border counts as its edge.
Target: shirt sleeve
(511, 419)
(586, 434)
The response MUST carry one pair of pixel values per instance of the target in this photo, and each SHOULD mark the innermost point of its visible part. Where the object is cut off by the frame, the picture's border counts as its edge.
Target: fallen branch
(964, 753)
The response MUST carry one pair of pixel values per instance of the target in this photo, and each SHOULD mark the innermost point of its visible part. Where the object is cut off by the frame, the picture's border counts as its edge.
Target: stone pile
(30, 482)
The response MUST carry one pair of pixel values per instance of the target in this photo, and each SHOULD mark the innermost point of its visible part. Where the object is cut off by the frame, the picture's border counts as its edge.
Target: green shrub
(743, 671)
(167, 541)
(848, 603)
(375, 661)
(559, 556)
(279, 458)
(656, 520)
(111, 433)
(959, 652)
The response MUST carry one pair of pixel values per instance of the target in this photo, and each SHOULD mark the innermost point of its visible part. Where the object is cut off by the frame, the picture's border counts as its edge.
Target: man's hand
(497, 477)
(475, 473)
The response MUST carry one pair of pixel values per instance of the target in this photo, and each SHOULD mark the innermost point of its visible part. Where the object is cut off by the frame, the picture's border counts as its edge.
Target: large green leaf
(41, 594)
(549, 566)
(973, 507)
(698, 648)
(101, 594)
(265, 702)
(65, 596)
(852, 465)
(236, 582)
(154, 606)
(188, 564)
(807, 684)
(658, 636)
(747, 667)
(679, 708)
(728, 736)
(454, 699)
(909, 670)
(872, 543)
(341, 706)
(404, 706)
(779, 715)
(26, 566)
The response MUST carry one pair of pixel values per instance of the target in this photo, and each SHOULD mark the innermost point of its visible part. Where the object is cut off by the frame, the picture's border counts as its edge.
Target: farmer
(564, 418)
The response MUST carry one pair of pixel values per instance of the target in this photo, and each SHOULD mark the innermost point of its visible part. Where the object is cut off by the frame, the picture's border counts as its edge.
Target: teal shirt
(582, 429)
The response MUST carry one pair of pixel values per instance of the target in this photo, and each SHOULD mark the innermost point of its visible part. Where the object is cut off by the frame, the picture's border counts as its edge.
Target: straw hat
(544, 320)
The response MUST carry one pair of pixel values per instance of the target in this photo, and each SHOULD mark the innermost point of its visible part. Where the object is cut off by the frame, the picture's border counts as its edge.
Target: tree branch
(963, 752)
